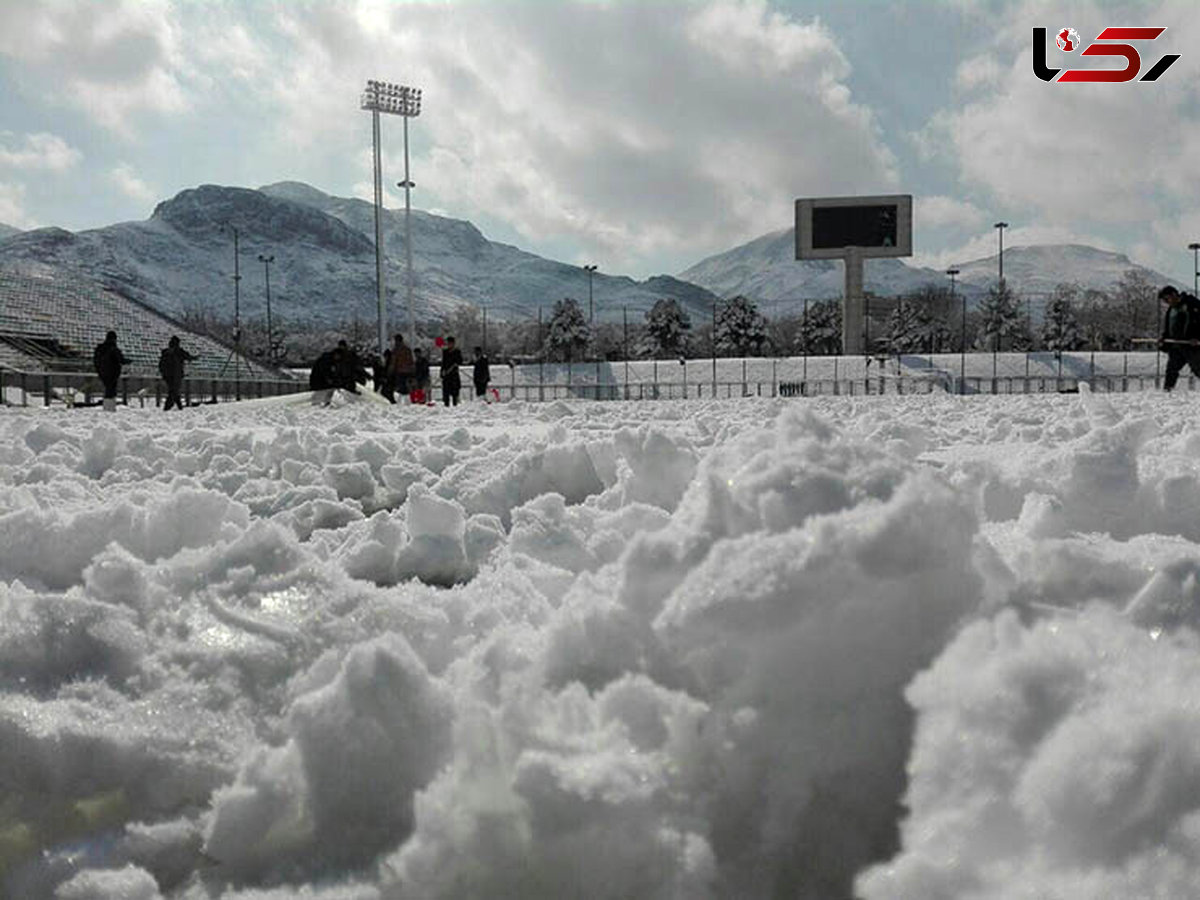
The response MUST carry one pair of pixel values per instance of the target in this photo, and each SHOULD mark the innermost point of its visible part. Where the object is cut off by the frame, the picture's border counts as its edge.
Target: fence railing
(22, 388)
(828, 387)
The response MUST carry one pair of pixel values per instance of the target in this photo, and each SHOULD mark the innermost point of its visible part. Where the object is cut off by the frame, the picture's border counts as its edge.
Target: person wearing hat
(170, 366)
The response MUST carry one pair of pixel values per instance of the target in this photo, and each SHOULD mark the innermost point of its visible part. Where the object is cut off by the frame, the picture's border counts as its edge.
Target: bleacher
(51, 320)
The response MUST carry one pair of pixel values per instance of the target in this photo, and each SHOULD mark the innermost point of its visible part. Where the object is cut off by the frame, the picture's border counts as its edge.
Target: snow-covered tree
(820, 329)
(1060, 325)
(904, 330)
(741, 330)
(568, 333)
(1002, 324)
(1136, 303)
(667, 327)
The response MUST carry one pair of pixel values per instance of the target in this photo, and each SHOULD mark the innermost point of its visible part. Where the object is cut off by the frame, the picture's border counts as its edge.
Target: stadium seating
(53, 320)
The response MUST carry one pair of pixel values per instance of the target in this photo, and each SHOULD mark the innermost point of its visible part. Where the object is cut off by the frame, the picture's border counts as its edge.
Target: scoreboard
(877, 226)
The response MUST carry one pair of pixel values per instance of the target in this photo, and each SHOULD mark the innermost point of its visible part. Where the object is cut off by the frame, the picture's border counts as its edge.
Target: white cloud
(125, 178)
(631, 130)
(1072, 154)
(38, 151)
(111, 61)
(12, 206)
(939, 211)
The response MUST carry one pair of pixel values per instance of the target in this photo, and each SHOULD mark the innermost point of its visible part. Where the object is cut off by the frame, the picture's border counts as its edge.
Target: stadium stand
(51, 320)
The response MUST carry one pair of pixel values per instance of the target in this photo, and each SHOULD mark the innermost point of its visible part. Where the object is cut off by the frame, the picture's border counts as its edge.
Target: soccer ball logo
(1067, 39)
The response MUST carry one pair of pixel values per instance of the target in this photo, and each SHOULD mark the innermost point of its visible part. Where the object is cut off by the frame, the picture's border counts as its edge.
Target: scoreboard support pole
(854, 319)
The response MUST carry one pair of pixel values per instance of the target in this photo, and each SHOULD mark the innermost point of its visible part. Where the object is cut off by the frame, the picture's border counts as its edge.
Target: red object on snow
(439, 341)
(416, 395)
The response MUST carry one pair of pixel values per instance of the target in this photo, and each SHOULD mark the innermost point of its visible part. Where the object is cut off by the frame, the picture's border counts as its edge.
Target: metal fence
(21, 388)
(828, 387)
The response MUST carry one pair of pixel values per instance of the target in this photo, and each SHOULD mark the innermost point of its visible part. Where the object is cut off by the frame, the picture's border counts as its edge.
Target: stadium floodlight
(962, 349)
(591, 270)
(1000, 226)
(266, 261)
(396, 100)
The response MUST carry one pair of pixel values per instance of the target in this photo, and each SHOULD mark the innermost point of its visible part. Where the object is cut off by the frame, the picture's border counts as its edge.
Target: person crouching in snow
(1180, 335)
(480, 373)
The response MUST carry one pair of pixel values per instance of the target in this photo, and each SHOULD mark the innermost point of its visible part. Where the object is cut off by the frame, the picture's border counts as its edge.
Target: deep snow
(904, 647)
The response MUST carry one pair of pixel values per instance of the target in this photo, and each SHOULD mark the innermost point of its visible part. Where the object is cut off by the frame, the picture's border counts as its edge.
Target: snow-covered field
(927, 647)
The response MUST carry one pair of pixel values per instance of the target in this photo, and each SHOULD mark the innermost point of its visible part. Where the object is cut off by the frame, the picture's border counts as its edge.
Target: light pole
(266, 261)
(962, 350)
(1000, 226)
(1195, 248)
(591, 270)
(408, 184)
(237, 315)
(397, 100)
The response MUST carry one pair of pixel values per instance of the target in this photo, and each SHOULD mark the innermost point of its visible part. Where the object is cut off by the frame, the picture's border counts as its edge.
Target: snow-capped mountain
(1038, 269)
(7, 231)
(766, 270)
(453, 260)
(182, 258)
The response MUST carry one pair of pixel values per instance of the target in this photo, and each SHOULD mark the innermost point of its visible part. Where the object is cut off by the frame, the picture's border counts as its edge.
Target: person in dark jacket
(350, 369)
(402, 367)
(480, 373)
(379, 367)
(451, 379)
(323, 378)
(170, 366)
(1180, 335)
(421, 377)
(109, 360)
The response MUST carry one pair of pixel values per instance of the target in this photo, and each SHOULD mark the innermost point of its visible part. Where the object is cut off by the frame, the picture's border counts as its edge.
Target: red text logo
(1108, 43)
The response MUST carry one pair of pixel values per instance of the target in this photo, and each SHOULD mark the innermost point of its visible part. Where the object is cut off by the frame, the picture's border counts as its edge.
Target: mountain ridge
(766, 270)
(180, 260)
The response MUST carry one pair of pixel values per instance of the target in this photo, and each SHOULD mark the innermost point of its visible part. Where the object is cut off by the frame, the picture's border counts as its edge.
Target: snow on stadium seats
(51, 319)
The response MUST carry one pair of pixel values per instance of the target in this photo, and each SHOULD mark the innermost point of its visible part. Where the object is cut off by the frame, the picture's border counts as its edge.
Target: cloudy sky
(641, 135)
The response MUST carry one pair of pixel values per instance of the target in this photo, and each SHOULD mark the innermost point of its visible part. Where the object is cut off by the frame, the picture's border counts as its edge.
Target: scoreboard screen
(854, 226)
(878, 226)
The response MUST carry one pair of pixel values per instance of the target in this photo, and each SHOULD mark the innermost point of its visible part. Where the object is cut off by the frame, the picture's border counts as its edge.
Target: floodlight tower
(1000, 226)
(591, 270)
(397, 100)
(266, 261)
(962, 350)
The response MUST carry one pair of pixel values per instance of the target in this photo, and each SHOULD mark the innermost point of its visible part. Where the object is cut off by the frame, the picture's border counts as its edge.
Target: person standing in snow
(108, 360)
(480, 373)
(170, 366)
(401, 366)
(421, 373)
(451, 379)
(1180, 335)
